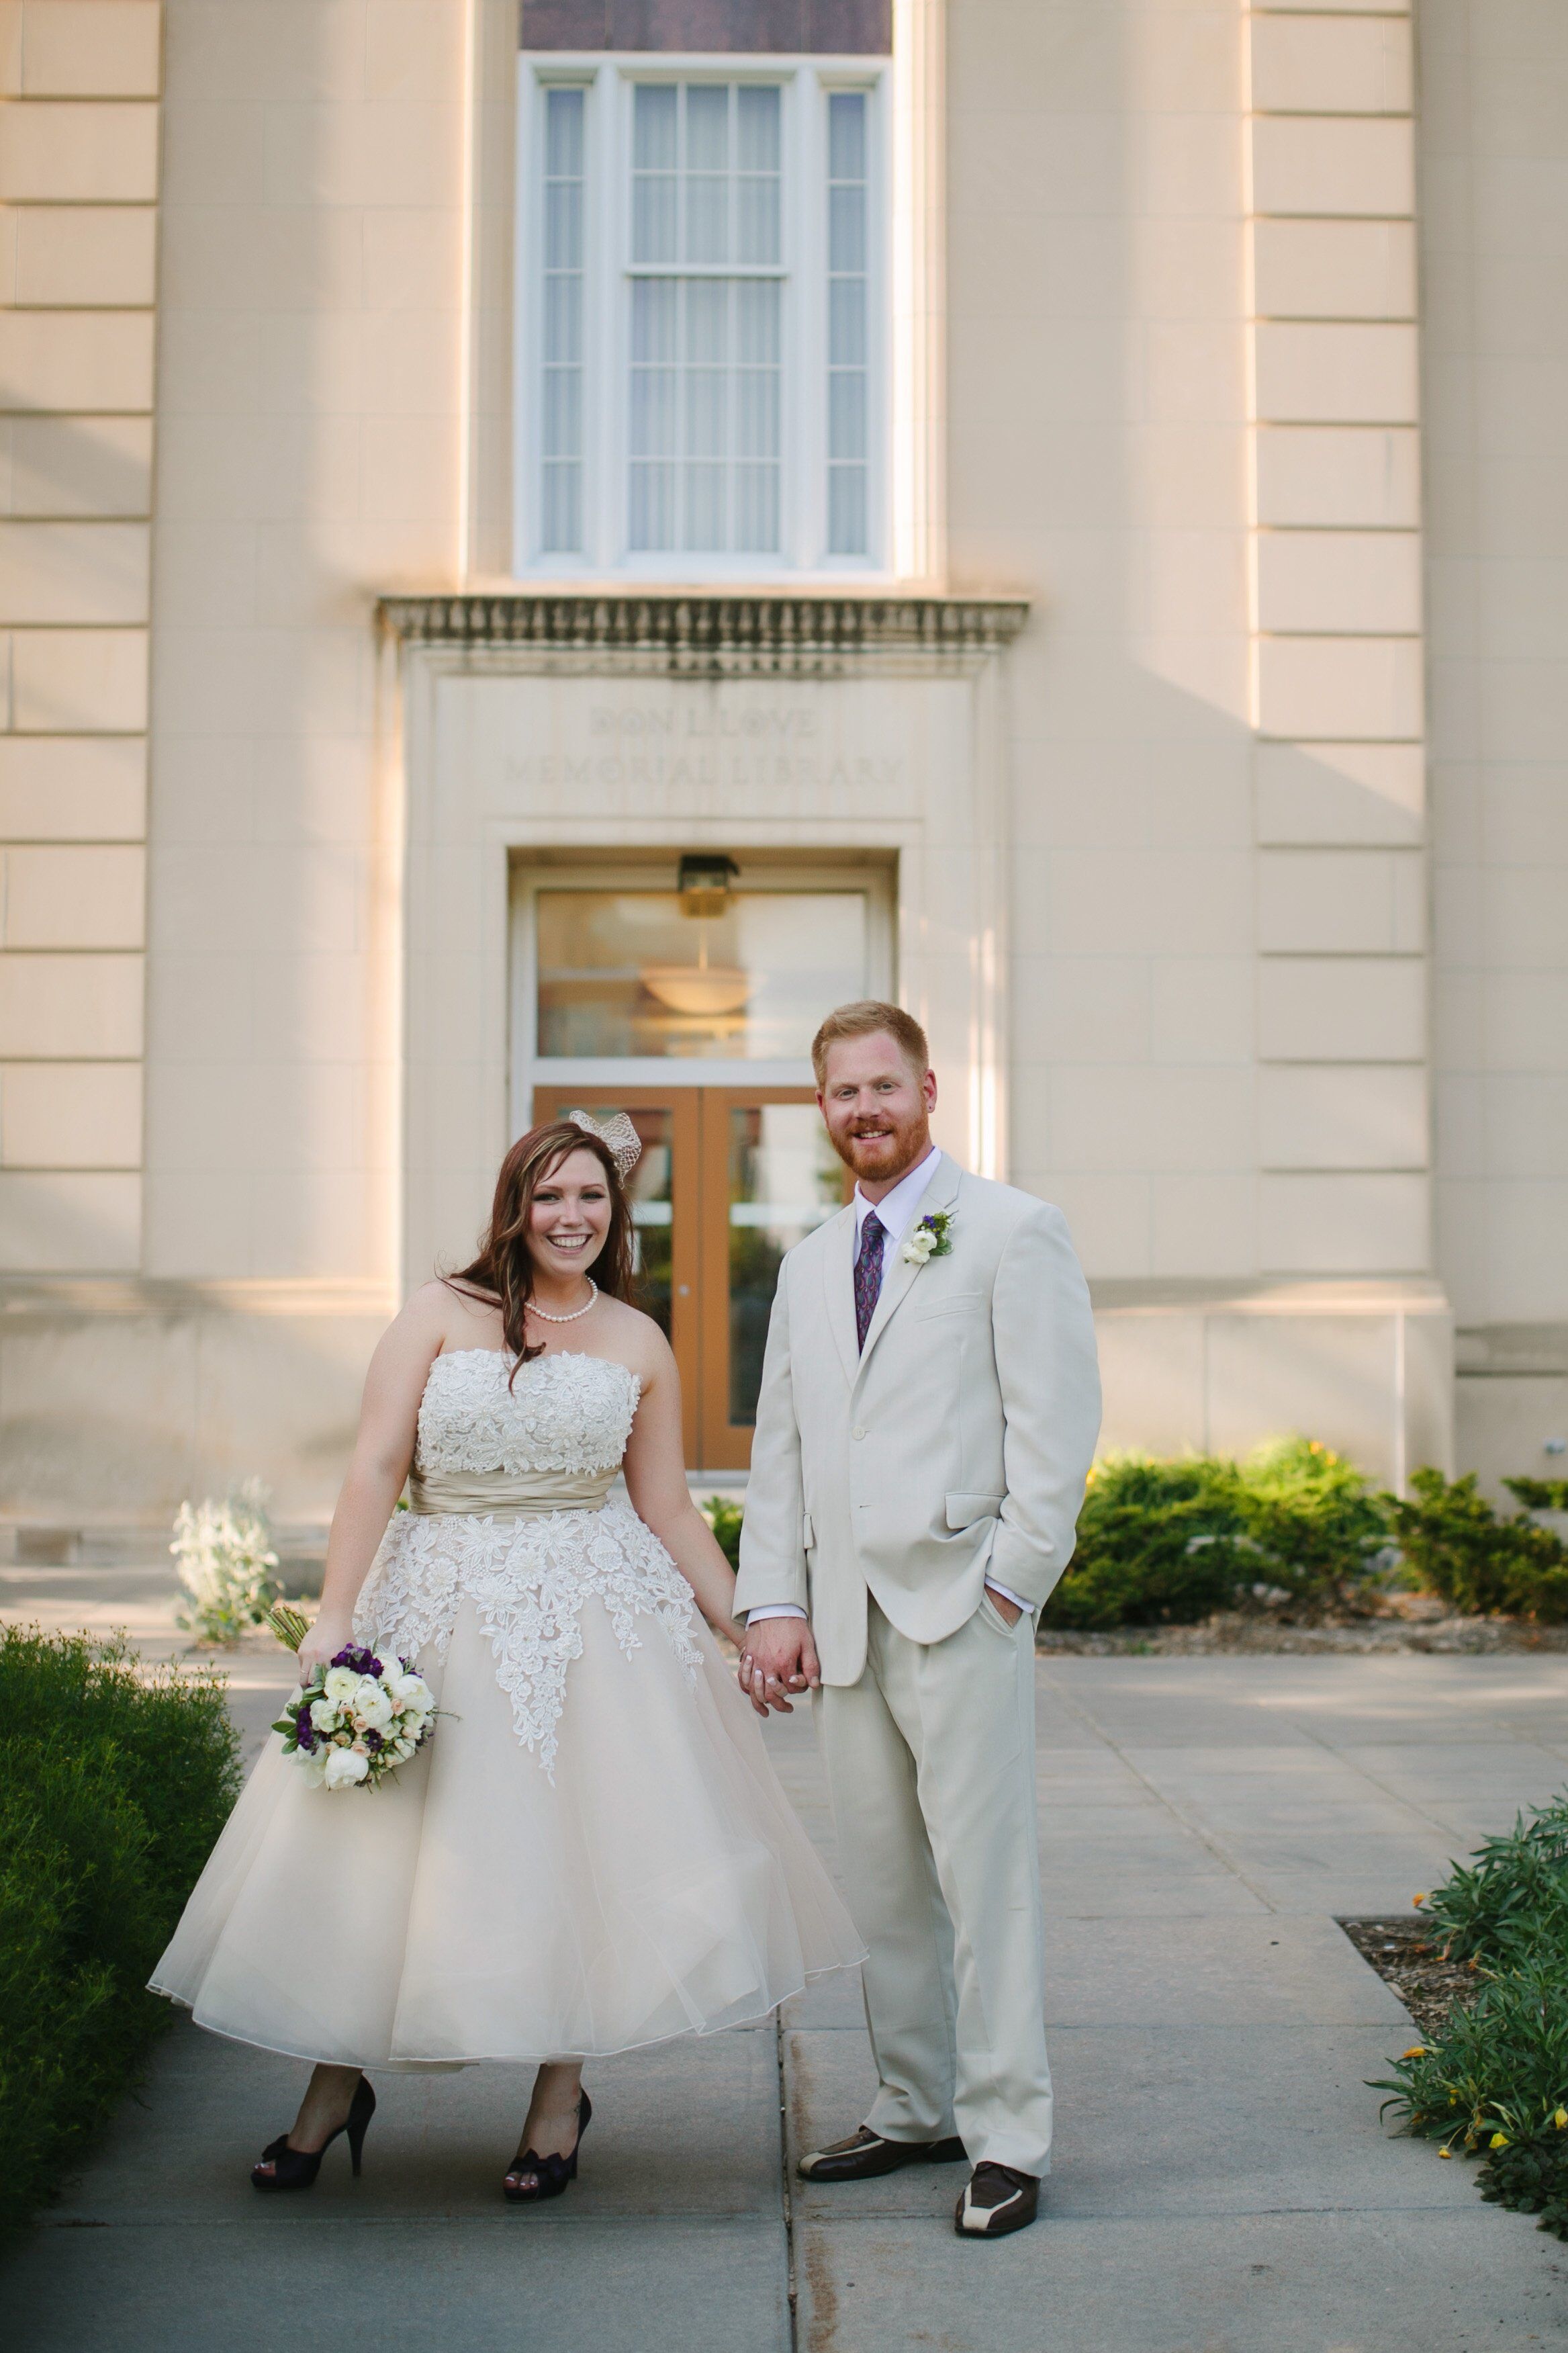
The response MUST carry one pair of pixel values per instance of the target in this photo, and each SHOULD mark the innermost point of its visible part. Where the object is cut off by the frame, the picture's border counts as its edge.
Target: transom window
(700, 346)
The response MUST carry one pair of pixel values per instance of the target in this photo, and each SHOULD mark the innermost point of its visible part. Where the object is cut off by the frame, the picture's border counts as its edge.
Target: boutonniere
(933, 1238)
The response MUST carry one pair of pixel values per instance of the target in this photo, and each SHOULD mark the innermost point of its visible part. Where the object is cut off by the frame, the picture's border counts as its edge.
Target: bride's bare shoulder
(452, 1316)
(636, 1338)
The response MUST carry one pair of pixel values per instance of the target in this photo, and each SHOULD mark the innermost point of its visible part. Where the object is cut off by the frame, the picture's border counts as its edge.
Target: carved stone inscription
(764, 749)
(801, 753)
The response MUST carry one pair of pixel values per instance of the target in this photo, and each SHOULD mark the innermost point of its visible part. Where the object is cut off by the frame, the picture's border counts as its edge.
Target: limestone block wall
(1184, 421)
(1494, 173)
(1336, 618)
(78, 190)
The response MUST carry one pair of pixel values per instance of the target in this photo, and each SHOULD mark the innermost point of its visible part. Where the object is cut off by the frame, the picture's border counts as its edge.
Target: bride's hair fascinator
(616, 1132)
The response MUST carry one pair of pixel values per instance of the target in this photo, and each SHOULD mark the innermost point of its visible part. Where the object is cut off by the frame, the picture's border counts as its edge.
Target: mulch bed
(1402, 1953)
(1238, 1637)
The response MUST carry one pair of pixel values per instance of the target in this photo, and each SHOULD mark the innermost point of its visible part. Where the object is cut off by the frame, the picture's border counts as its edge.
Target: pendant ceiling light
(704, 990)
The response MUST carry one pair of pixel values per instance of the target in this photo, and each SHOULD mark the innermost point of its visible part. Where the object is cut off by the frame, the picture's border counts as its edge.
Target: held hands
(777, 1656)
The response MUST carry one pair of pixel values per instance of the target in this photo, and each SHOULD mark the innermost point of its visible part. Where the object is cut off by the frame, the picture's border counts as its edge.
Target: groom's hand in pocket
(777, 1657)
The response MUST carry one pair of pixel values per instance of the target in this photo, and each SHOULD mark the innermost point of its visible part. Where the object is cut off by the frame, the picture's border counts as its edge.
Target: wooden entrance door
(730, 1178)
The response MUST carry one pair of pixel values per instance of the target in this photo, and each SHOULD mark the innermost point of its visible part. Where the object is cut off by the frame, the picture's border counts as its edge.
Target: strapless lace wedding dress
(592, 1853)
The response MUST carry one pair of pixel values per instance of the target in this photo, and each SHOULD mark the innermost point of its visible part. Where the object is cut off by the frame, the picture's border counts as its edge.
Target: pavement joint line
(1444, 1830)
(786, 2198)
(1064, 1700)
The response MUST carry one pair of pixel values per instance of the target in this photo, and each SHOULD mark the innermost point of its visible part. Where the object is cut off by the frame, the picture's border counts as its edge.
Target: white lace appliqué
(528, 1579)
(563, 1412)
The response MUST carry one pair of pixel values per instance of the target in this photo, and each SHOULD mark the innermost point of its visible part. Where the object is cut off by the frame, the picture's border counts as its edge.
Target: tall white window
(561, 368)
(848, 324)
(702, 346)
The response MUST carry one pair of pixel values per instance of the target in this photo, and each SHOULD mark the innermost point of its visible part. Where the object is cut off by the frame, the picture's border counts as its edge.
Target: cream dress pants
(930, 1766)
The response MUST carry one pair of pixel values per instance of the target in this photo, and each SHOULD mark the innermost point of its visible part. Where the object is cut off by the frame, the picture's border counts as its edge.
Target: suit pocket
(990, 1615)
(951, 1302)
(963, 1510)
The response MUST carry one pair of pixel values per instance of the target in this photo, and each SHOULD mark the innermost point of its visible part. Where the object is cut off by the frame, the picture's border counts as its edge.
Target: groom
(929, 1407)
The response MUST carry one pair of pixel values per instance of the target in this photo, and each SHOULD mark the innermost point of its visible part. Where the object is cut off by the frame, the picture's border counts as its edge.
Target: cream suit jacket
(955, 1446)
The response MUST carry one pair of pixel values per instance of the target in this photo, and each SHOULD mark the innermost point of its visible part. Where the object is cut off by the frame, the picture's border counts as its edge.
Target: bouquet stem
(288, 1624)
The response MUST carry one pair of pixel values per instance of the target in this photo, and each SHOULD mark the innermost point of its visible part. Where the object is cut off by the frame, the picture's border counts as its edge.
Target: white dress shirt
(895, 1214)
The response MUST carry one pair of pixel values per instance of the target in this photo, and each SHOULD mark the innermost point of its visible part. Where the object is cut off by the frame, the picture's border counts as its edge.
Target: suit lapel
(901, 1277)
(838, 1281)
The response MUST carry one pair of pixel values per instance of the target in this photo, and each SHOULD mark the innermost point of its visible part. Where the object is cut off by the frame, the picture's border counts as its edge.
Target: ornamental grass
(1493, 2082)
(117, 1783)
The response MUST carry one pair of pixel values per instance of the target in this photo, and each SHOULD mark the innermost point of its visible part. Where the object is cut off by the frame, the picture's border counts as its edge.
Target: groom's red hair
(866, 1019)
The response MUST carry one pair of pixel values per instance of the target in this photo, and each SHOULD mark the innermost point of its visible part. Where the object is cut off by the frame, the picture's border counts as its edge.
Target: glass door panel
(770, 1177)
(634, 973)
(729, 1180)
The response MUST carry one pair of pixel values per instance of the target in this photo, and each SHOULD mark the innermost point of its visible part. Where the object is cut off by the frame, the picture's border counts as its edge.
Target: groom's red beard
(895, 1146)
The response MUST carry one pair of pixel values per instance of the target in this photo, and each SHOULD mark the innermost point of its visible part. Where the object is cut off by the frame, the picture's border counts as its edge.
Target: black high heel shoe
(551, 2174)
(296, 2169)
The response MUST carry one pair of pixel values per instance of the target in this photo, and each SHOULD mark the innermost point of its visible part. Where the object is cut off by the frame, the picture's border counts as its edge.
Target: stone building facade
(538, 547)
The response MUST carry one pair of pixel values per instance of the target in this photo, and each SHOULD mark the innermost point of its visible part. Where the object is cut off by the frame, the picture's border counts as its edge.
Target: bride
(593, 1853)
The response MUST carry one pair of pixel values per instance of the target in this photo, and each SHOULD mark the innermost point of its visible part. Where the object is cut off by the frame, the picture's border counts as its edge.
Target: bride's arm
(389, 1414)
(654, 1470)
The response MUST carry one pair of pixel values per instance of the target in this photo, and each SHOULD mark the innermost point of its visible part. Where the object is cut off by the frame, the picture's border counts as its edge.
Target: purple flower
(359, 1662)
(372, 1740)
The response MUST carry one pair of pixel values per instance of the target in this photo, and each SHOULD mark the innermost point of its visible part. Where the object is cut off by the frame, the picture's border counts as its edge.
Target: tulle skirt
(476, 1907)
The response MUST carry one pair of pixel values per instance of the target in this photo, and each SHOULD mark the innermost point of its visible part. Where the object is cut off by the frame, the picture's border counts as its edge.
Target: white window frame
(607, 82)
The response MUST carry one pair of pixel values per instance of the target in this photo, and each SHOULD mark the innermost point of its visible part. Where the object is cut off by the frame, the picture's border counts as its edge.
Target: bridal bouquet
(357, 1718)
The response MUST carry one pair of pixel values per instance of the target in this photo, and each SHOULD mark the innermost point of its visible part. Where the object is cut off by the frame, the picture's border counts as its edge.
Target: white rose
(323, 1716)
(345, 1767)
(372, 1709)
(404, 1688)
(919, 1247)
(341, 1684)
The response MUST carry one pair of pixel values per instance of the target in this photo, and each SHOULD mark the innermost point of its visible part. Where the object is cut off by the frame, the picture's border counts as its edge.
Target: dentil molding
(749, 634)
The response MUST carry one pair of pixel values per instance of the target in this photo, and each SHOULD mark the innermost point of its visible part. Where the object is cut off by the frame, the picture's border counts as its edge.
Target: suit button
(856, 1432)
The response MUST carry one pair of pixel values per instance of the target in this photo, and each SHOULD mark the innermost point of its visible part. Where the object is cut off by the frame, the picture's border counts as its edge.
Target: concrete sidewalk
(1222, 2183)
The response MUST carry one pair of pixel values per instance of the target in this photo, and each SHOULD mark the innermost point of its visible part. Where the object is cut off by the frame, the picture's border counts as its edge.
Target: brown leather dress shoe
(866, 2154)
(997, 2200)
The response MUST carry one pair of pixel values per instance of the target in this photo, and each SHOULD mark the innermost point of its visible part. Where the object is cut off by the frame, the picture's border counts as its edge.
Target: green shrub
(1540, 1494)
(1318, 1527)
(115, 1787)
(724, 1517)
(1486, 1910)
(1530, 2176)
(1453, 1544)
(1494, 2081)
(1158, 1544)
(1294, 1529)
(1502, 2065)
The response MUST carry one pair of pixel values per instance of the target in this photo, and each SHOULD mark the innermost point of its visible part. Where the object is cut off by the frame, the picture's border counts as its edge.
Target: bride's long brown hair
(504, 1267)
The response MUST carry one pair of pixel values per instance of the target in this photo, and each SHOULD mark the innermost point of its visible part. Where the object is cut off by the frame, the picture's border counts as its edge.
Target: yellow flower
(1416, 2051)
(1417, 1902)
(1497, 2140)
(1445, 2152)
(1561, 2119)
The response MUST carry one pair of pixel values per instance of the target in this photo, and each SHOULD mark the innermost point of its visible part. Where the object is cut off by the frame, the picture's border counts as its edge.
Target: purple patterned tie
(868, 1275)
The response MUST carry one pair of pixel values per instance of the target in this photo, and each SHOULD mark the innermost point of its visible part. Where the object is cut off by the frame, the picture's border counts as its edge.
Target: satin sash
(499, 1494)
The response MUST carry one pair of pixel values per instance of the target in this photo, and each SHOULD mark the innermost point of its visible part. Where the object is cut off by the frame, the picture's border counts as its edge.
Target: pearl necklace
(545, 1317)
